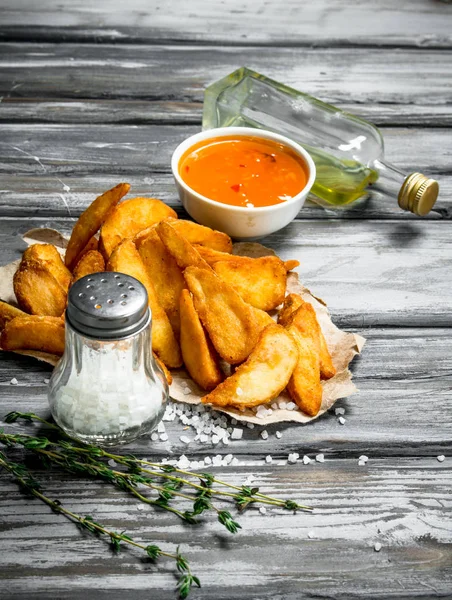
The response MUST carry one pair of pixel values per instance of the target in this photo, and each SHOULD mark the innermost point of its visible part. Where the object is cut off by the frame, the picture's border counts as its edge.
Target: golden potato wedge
(199, 356)
(50, 258)
(90, 262)
(165, 275)
(126, 259)
(9, 312)
(260, 281)
(291, 304)
(263, 376)
(290, 265)
(91, 220)
(32, 332)
(231, 323)
(166, 372)
(212, 256)
(304, 386)
(183, 252)
(130, 217)
(93, 244)
(204, 236)
(37, 291)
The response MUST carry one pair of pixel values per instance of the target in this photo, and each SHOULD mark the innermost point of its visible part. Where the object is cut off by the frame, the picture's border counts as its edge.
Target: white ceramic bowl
(240, 222)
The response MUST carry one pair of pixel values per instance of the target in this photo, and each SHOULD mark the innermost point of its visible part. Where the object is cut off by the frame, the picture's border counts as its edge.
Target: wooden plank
(38, 163)
(372, 274)
(46, 197)
(137, 112)
(405, 382)
(404, 504)
(354, 76)
(325, 22)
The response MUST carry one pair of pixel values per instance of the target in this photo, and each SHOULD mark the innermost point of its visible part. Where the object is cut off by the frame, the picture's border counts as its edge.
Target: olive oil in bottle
(348, 151)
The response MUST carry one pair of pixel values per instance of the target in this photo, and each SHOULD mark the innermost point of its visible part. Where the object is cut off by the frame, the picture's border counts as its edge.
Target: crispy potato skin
(126, 259)
(165, 275)
(32, 332)
(291, 304)
(166, 372)
(263, 376)
(183, 252)
(204, 236)
(260, 281)
(231, 323)
(304, 386)
(129, 218)
(90, 220)
(9, 312)
(200, 358)
(37, 291)
(91, 262)
(50, 258)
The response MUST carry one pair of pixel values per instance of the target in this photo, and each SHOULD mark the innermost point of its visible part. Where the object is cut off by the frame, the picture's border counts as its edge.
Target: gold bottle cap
(418, 194)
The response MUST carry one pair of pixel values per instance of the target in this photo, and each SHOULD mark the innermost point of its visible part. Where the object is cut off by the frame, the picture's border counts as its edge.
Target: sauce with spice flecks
(243, 171)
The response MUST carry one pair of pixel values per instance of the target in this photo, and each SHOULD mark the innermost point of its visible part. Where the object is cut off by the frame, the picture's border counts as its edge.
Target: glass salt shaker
(107, 388)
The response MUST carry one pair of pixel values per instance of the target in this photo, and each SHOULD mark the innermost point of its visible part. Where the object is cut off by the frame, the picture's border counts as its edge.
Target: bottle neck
(390, 179)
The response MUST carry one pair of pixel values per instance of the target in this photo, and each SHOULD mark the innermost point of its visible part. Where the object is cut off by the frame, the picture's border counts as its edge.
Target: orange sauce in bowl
(243, 171)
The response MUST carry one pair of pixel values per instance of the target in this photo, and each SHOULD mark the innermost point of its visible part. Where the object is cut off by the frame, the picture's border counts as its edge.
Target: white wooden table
(92, 93)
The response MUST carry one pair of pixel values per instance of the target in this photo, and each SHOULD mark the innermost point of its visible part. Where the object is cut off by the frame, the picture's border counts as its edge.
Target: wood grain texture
(324, 22)
(180, 73)
(375, 274)
(389, 501)
(405, 382)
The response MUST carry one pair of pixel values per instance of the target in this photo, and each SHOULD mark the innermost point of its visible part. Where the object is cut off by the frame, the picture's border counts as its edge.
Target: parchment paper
(343, 346)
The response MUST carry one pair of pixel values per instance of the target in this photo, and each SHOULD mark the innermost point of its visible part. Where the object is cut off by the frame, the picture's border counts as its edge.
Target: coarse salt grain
(320, 458)
(311, 534)
(278, 435)
(377, 547)
(268, 459)
(14, 381)
(235, 462)
(112, 463)
(46, 381)
(215, 439)
(208, 460)
(264, 434)
(292, 458)
(291, 406)
(161, 427)
(262, 510)
(185, 439)
(306, 460)
(441, 458)
(339, 411)
(164, 437)
(236, 434)
(363, 458)
(239, 391)
(250, 425)
(361, 463)
(341, 420)
(154, 436)
(186, 391)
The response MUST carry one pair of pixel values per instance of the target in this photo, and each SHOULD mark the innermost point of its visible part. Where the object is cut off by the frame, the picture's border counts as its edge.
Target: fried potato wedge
(204, 236)
(126, 259)
(183, 252)
(260, 281)
(50, 258)
(211, 256)
(90, 262)
(231, 323)
(304, 386)
(130, 217)
(291, 304)
(91, 220)
(290, 265)
(37, 291)
(166, 276)
(200, 358)
(93, 244)
(32, 332)
(263, 376)
(166, 372)
(9, 312)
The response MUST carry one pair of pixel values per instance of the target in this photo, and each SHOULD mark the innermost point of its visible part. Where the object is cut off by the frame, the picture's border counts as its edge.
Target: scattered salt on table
(112, 463)
(264, 434)
(320, 458)
(306, 460)
(278, 435)
(268, 459)
(441, 458)
(339, 411)
(46, 381)
(341, 420)
(311, 534)
(164, 437)
(363, 458)
(14, 381)
(236, 434)
(262, 510)
(292, 458)
(377, 547)
(185, 439)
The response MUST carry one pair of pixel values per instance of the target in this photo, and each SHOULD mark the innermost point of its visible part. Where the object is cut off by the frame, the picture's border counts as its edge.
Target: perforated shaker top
(108, 306)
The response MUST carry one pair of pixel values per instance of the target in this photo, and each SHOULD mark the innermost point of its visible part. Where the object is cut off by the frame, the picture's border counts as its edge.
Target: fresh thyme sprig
(243, 496)
(30, 485)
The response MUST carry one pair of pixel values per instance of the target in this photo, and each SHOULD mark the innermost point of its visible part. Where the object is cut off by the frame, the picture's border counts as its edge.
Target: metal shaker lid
(108, 306)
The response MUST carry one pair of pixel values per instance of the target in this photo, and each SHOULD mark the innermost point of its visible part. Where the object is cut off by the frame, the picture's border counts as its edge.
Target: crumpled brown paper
(343, 346)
